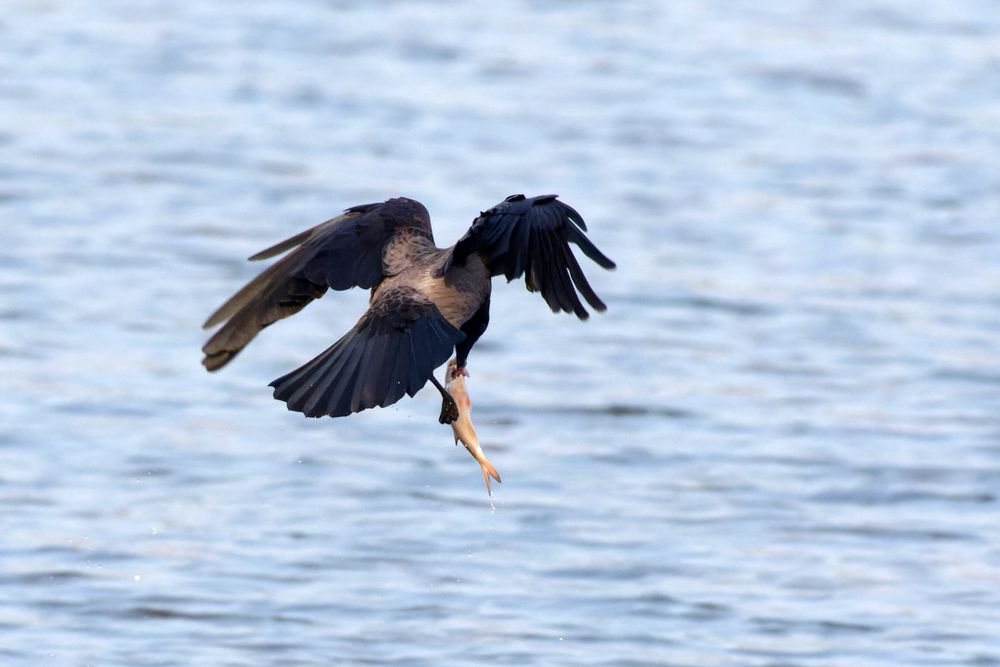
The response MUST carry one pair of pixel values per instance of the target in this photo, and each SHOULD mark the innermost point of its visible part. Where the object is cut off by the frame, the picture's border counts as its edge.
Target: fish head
(453, 371)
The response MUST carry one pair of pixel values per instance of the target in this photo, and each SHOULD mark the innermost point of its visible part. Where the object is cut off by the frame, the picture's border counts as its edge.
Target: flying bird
(426, 302)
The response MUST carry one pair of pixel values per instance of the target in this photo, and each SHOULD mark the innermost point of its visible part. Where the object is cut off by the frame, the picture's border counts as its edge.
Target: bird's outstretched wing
(531, 237)
(392, 350)
(344, 252)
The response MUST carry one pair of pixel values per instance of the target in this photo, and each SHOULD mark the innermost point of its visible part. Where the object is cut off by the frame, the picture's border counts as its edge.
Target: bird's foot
(449, 410)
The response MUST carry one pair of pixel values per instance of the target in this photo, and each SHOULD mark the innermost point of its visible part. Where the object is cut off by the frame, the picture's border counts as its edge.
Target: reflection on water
(779, 446)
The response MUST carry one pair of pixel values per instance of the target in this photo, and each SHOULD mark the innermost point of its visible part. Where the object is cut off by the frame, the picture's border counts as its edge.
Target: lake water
(780, 446)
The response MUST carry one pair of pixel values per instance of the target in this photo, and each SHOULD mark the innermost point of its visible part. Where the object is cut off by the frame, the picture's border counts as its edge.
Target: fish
(462, 427)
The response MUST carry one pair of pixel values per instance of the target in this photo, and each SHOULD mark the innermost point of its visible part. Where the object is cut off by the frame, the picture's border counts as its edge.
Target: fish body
(462, 427)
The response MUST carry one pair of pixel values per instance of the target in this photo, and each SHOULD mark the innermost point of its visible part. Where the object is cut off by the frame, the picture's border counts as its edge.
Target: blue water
(780, 446)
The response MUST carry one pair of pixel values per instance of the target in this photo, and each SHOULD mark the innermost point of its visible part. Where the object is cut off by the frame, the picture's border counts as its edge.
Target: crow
(426, 302)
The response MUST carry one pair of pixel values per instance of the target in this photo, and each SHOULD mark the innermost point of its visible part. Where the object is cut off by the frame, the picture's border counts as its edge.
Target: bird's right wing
(530, 236)
(391, 351)
(344, 252)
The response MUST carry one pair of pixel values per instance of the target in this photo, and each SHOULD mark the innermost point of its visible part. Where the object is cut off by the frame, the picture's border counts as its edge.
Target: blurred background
(779, 446)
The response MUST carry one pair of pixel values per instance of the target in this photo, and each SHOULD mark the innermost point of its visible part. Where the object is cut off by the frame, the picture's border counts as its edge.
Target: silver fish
(462, 427)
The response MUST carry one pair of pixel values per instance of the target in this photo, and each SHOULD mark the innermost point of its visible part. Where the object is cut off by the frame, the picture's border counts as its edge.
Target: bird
(426, 302)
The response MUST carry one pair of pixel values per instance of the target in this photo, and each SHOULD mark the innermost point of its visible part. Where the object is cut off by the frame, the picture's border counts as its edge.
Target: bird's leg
(449, 408)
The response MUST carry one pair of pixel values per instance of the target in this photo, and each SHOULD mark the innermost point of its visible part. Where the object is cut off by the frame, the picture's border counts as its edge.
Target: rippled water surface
(779, 446)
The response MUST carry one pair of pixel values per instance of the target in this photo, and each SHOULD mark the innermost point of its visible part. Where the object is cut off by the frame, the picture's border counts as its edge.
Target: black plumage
(392, 350)
(425, 303)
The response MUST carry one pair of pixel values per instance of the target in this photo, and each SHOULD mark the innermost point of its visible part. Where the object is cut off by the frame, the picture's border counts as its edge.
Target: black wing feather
(559, 279)
(580, 280)
(530, 237)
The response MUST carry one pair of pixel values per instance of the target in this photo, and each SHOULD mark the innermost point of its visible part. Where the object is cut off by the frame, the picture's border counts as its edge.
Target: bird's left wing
(391, 351)
(344, 252)
(530, 236)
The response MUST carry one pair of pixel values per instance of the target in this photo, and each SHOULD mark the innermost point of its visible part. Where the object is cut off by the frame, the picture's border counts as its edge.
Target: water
(780, 446)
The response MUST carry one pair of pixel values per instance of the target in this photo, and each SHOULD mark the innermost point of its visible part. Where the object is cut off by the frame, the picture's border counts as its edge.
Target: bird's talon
(449, 411)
